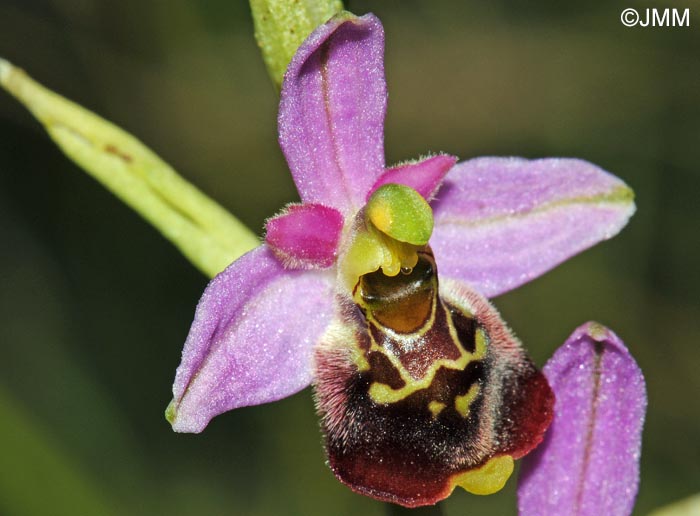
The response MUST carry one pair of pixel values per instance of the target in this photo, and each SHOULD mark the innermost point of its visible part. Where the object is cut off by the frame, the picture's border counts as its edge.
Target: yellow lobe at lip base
(489, 478)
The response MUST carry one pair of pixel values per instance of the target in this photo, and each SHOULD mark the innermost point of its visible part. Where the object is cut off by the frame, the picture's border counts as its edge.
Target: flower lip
(413, 405)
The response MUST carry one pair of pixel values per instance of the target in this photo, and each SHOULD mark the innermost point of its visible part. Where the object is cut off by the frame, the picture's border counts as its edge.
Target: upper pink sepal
(501, 222)
(424, 176)
(332, 108)
(588, 463)
(252, 339)
(305, 236)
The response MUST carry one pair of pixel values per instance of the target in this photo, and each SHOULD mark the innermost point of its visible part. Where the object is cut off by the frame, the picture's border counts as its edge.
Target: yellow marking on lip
(481, 343)
(346, 334)
(435, 407)
(383, 394)
(462, 403)
(359, 358)
(487, 479)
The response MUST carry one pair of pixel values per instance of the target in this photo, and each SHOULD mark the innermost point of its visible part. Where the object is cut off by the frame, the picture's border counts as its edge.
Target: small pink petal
(501, 222)
(588, 464)
(305, 236)
(332, 107)
(423, 176)
(252, 339)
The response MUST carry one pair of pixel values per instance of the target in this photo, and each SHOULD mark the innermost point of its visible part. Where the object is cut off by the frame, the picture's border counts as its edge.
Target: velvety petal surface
(332, 107)
(588, 464)
(252, 339)
(424, 176)
(305, 236)
(501, 222)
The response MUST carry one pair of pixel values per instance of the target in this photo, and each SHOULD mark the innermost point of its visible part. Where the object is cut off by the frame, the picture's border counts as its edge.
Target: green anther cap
(401, 213)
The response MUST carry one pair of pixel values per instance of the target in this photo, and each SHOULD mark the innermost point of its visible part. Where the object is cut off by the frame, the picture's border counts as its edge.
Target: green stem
(282, 25)
(208, 235)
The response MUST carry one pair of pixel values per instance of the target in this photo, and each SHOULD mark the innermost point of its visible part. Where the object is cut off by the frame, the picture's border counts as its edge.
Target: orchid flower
(420, 385)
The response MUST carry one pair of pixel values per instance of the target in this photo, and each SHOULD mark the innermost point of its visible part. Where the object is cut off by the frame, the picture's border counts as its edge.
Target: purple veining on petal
(332, 108)
(501, 222)
(424, 176)
(252, 338)
(305, 236)
(588, 464)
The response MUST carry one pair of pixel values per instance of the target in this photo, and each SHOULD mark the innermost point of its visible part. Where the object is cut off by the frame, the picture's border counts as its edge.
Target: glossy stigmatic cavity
(421, 387)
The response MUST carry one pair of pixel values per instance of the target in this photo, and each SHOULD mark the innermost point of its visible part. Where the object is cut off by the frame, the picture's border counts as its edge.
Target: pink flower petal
(588, 464)
(305, 236)
(424, 176)
(252, 339)
(332, 107)
(501, 222)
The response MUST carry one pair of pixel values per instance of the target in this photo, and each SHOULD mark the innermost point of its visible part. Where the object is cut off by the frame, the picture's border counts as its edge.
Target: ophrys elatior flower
(420, 385)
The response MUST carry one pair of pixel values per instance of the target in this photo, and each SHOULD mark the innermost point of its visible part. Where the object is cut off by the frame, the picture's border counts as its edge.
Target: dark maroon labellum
(419, 385)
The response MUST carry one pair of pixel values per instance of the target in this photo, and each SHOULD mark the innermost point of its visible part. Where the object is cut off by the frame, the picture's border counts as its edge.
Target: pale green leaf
(281, 26)
(687, 507)
(208, 235)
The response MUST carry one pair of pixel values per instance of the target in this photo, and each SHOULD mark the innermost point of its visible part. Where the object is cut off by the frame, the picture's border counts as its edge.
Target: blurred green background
(95, 305)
